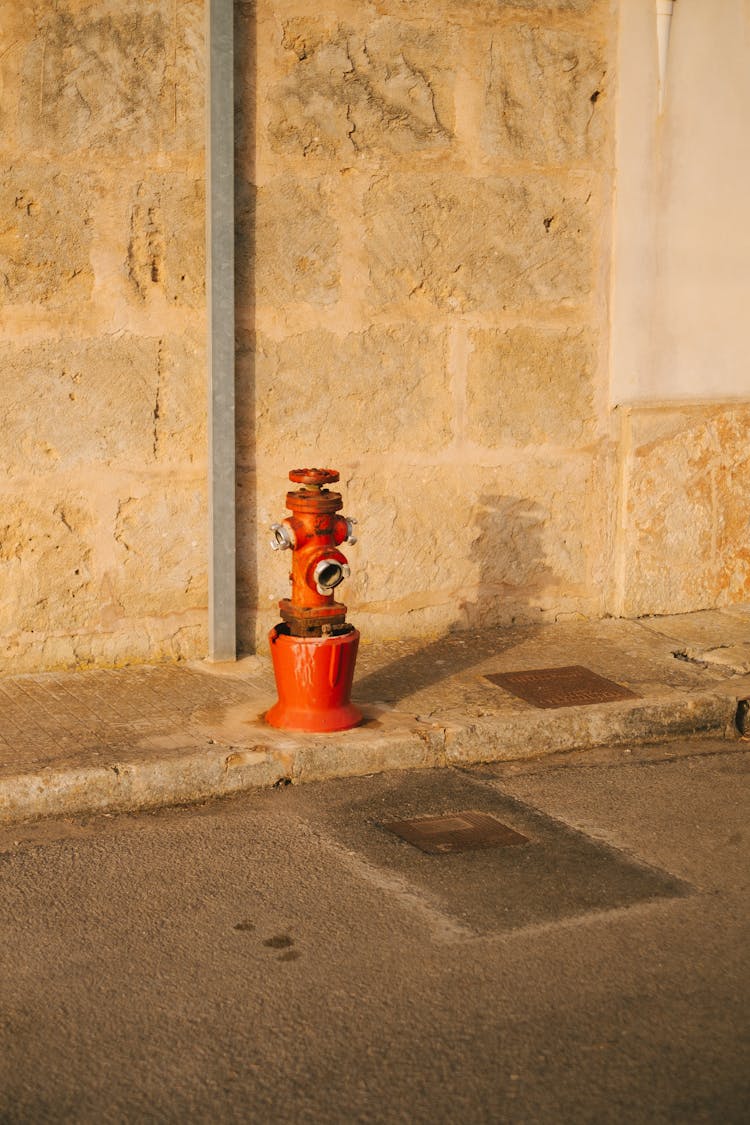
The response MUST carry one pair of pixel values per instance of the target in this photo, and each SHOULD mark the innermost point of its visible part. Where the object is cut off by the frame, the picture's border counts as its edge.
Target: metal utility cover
(455, 832)
(570, 686)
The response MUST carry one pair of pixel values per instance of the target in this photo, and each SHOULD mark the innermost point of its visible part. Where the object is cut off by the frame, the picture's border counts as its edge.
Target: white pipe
(663, 27)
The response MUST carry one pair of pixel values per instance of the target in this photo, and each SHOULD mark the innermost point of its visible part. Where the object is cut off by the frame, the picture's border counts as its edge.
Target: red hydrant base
(314, 681)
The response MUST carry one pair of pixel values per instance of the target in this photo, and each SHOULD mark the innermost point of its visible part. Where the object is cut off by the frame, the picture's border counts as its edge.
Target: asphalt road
(284, 957)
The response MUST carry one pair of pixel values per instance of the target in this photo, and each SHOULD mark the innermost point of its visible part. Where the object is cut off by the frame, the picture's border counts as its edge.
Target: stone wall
(424, 242)
(684, 542)
(102, 312)
(424, 200)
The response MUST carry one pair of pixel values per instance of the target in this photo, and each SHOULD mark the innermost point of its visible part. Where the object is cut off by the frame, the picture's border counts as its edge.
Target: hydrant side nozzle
(283, 538)
(350, 524)
(328, 573)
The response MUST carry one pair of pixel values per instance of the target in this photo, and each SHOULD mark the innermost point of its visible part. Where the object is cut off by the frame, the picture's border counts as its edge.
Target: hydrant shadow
(505, 609)
(438, 660)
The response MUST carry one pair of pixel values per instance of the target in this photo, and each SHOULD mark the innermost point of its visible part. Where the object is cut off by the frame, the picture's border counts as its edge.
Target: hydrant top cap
(314, 477)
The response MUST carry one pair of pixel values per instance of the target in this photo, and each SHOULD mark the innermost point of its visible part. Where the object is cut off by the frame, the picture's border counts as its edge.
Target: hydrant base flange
(313, 681)
(306, 621)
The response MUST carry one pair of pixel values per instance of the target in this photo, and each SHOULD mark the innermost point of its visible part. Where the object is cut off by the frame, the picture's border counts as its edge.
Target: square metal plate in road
(455, 832)
(571, 686)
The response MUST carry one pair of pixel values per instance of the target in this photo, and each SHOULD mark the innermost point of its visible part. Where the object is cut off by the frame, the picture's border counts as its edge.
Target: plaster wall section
(424, 227)
(102, 314)
(703, 240)
(680, 375)
(681, 239)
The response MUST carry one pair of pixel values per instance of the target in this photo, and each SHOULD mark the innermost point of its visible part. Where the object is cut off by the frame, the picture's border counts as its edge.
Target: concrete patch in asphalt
(560, 873)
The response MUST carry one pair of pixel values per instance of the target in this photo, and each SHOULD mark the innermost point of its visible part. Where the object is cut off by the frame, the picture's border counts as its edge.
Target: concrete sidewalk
(142, 737)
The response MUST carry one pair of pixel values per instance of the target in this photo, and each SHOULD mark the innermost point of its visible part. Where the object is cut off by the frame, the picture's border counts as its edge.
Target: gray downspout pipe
(222, 606)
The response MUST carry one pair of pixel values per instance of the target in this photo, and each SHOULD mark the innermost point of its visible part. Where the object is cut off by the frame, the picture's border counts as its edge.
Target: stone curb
(198, 774)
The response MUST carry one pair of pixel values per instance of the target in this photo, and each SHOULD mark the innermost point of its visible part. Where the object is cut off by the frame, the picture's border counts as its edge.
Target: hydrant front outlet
(313, 648)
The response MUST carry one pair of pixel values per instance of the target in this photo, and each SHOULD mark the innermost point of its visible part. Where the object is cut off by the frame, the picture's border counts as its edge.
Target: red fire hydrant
(313, 648)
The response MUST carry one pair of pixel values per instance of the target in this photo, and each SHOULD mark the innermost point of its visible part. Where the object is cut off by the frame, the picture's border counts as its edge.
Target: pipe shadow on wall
(507, 537)
(245, 86)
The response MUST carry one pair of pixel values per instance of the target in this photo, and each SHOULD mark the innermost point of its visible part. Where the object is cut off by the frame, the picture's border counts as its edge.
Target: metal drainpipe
(222, 611)
(664, 10)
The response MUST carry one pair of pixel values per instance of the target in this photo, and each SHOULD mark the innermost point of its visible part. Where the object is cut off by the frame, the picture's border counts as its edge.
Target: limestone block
(179, 433)
(504, 533)
(68, 403)
(687, 544)
(483, 10)
(531, 386)
(134, 642)
(185, 78)
(45, 235)
(455, 243)
(119, 76)
(15, 34)
(160, 552)
(288, 243)
(385, 89)
(377, 391)
(543, 95)
(165, 244)
(46, 581)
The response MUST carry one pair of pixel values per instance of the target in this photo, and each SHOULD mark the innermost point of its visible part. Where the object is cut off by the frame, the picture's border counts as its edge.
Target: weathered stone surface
(288, 246)
(160, 551)
(185, 78)
(46, 581)
(165, 241)
(45, 236)
(483, 10)
(439, 546)
(102, 270)
(543, 98)
(687, 541)
(79, 403)
(15, 34)
(98, 382)
(455, 243)
(124, 77)
(378, 391)
(385, 89)
(179, 433)
(491, 6)
(531, 386)
(499, 535)
(708, 629)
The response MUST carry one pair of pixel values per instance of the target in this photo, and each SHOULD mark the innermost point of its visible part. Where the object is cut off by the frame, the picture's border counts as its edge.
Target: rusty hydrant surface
(313, 648)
